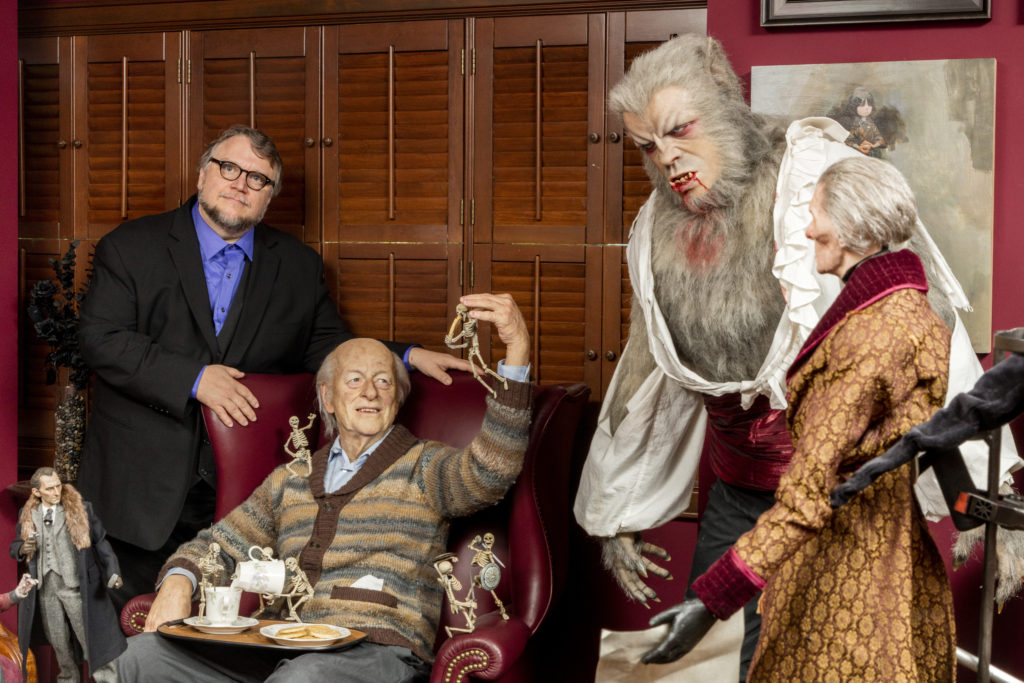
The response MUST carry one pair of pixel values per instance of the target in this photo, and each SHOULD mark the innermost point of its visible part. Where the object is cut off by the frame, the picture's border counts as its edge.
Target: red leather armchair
(531, 525)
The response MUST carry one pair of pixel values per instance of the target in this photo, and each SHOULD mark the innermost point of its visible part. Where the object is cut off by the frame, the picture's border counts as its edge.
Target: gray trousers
(151, 658)
(731, 512)
(57, 599)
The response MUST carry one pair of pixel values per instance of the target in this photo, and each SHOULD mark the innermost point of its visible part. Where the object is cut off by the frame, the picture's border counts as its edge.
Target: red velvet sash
(747, 448)
(874, 279)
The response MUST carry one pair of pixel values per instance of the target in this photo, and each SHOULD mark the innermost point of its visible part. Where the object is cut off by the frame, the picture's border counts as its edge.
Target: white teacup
(260, 575)
(222, 604)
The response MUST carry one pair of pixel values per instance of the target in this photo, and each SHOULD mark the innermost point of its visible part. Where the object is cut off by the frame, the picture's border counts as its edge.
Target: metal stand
(995, 510)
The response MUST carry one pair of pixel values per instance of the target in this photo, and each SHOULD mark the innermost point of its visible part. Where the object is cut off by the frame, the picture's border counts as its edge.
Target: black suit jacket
(147, 329)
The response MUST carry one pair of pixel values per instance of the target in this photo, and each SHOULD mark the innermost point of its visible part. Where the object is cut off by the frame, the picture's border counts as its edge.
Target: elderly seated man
(376, 502)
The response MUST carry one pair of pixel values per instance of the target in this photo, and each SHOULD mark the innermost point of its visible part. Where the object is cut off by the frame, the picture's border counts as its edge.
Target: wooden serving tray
(179, 630)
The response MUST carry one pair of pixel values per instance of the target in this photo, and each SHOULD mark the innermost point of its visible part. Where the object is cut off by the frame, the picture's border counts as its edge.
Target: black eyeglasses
(254, 179)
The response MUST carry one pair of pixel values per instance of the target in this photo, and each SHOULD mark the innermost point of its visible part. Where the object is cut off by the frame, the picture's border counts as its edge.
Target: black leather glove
(689, 621)
(900, 454)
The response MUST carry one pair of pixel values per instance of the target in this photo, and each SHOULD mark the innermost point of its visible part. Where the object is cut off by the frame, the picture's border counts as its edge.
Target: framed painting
(802, 12)
(935, 121)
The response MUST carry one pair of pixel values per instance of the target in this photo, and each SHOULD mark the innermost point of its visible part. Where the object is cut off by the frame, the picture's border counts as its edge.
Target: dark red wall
(8, 288)
(736, 23)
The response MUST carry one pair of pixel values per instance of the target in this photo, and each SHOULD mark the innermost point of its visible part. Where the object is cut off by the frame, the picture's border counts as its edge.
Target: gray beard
(235, 228)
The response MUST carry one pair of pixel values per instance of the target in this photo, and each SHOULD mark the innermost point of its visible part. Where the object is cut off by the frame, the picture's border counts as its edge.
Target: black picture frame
(817, 12)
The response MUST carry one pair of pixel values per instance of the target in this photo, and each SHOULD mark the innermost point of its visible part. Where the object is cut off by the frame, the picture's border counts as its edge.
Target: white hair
(869, 202)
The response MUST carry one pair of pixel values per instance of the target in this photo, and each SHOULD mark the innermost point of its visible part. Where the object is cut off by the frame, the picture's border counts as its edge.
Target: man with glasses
(181, 305)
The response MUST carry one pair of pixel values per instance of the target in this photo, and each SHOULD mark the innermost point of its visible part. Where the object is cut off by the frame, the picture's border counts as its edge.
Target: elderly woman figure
(858, 593)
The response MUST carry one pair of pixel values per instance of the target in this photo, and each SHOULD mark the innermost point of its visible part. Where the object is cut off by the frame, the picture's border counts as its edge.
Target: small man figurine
(298, 586)
(209, 566)
(298, 441)
(67, 552)
(444, 565)
(490, 573)
(468, 336)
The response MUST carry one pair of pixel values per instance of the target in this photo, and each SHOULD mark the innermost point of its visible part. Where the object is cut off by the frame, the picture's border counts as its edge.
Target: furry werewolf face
(672, 134)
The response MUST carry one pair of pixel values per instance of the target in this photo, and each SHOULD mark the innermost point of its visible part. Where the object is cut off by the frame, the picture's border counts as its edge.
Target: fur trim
(74, 516)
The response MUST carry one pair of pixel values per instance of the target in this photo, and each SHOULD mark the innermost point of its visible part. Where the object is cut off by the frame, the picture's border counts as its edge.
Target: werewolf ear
(717, 66)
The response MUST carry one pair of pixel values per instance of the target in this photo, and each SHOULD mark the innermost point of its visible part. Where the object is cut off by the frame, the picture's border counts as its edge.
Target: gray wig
(869, 203)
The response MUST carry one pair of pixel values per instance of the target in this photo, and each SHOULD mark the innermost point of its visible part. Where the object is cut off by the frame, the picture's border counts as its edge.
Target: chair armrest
(134, 613)
(487, 652)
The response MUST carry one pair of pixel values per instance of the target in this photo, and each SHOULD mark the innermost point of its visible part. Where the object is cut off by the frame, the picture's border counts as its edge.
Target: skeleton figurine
(445, 567)
(490, 572)
(209, 566)
(298, 587)
(297, 440)
(469, 338)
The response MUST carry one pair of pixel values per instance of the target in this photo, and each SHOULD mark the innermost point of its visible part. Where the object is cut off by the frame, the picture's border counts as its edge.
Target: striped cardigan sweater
(390, 521)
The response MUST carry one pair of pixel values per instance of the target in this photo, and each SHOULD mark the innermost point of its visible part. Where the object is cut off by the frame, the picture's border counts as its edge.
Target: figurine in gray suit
(68, 554)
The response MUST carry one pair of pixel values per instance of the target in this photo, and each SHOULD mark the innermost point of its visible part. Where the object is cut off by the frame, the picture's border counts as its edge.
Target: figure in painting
(872, 130)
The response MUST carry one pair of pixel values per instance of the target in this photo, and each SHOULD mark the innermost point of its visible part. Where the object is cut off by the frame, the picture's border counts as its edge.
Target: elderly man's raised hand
(501, 311)
(229, 399)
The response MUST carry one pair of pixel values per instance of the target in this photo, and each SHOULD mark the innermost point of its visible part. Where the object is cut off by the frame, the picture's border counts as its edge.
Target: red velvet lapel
(873, 279)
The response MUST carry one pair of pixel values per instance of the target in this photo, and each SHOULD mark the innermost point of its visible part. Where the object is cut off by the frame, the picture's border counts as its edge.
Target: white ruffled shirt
(641, 476)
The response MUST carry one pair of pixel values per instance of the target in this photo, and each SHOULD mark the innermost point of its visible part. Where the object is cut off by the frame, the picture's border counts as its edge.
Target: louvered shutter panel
(395, 160)
(558, 327)
(393, 292)
(136, 102)
(394, 243)
(555, 210)
(40, 122)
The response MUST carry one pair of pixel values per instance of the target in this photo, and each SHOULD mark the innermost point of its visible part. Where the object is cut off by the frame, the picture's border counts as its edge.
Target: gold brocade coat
(859, 593)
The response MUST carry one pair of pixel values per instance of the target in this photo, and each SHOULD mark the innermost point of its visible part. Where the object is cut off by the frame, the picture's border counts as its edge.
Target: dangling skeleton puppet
(724, 294)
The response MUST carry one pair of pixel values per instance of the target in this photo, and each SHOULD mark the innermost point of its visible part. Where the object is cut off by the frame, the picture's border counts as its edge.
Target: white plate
(241, 624)
(271, 632)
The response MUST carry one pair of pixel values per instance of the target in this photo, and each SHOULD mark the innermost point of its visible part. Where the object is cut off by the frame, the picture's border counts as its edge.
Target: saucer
(241, 624)
(307, 643)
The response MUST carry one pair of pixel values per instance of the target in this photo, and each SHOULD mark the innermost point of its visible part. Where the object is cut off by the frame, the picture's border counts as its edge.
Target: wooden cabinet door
(100, 144)
(266, 78)
(393, 241)
(126, 128)
(538, 127)
(43, 211)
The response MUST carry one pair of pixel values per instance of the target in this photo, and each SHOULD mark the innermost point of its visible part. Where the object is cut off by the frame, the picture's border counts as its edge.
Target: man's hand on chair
(229, 399)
